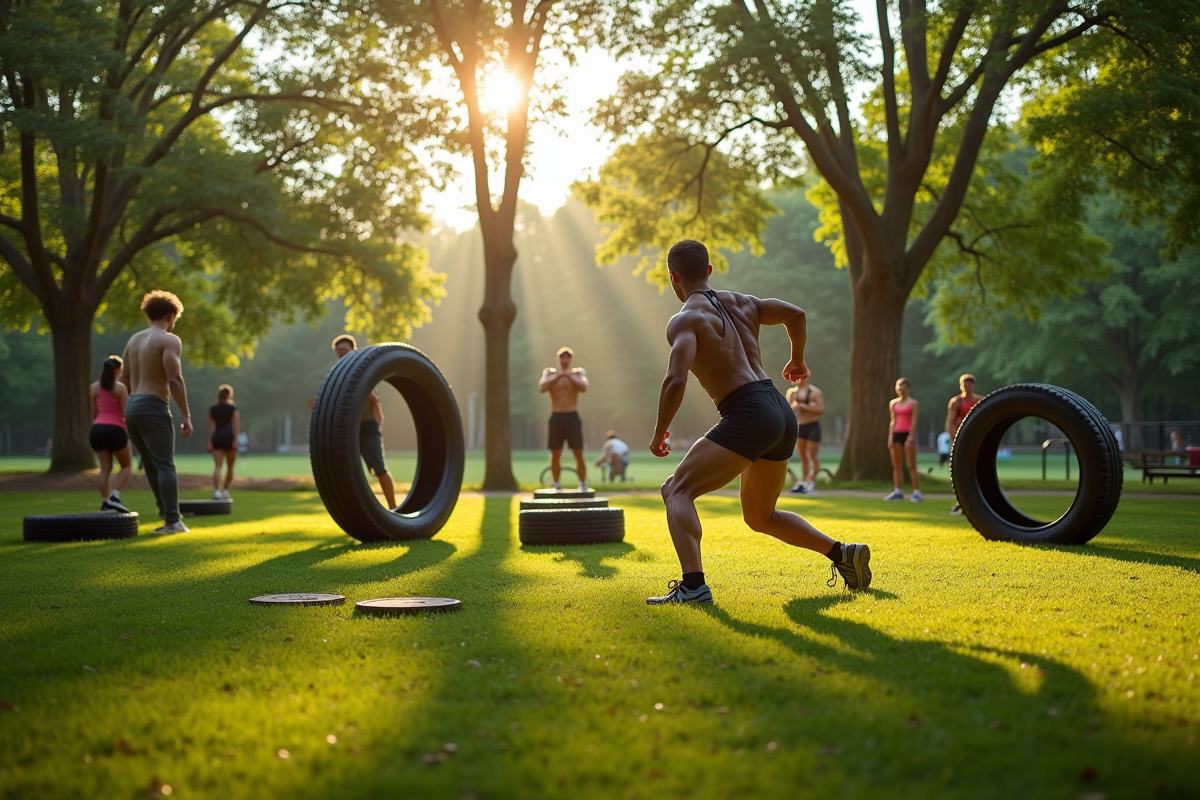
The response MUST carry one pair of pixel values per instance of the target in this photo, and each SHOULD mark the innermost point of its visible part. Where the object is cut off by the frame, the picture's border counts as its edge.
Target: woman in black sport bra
(221, 429)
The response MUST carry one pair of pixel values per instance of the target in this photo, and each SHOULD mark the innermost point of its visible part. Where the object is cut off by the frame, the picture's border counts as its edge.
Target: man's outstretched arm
(683, 351)
(772, 311)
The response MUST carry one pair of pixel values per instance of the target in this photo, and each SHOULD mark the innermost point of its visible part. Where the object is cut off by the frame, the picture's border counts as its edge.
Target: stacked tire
(80, 527)
(569, 517)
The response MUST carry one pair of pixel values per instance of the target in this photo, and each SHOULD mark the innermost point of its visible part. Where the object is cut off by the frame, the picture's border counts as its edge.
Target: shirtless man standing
(565, 385)
(956, 412)
(808, 404)
(715, 336)
(153, 374)
(370, 428)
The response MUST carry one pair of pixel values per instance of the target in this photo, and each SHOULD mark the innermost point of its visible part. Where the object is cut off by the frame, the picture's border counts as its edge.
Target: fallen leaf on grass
(473, 664)
(914, 721)
(157, 788)
(235, 647)
(995, 726)
(829, 749)
(289, 638)
(1087, 774)
(284, 754)
(7, 705)
(125, 635)
(726, 666)
(89, 669)
(771, 747)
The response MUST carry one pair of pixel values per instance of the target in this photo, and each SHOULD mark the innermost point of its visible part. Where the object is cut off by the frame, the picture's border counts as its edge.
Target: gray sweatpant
(152, 432)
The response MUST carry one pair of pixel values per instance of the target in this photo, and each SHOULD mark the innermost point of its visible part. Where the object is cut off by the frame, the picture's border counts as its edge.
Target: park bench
(1167, 464)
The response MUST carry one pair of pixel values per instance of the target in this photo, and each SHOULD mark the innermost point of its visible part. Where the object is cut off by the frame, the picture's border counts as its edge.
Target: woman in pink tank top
(108, 436)
(902, 441)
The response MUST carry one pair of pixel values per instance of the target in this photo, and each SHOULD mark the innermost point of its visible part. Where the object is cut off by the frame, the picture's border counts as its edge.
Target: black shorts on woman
(756, 422)
(108, 438)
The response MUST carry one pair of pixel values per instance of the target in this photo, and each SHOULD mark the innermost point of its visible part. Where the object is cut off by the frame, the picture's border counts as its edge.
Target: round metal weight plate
(299, 599)
(408, 605)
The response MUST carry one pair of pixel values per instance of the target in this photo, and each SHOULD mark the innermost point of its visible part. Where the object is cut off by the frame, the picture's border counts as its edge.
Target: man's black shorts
(110, 438)
(566, 426)
(809, 431)
(370, 446)
(756, 422)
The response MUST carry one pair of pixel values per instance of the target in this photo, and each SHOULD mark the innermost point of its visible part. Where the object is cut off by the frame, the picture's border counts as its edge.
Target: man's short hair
(610, 434)
(966, 377)
(566, 350)
(158, 304)
(348, 339)
(688, 259)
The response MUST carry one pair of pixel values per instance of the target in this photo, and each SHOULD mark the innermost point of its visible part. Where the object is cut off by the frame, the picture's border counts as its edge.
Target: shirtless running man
(565, 385)
(715, 336)
(808, 404)
(956, 412)
(153, 374)
(370, 428)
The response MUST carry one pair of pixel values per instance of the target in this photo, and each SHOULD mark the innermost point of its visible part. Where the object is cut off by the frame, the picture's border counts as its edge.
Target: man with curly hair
(154, 374)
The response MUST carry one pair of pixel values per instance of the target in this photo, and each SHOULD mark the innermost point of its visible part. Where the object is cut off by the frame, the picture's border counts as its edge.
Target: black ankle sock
(693, 580)
(835, 552)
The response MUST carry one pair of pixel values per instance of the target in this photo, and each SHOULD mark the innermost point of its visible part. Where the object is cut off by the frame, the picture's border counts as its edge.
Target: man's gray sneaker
(680, 594)
(114, 505)
(896, 494)
(174, 527)
(854, 567)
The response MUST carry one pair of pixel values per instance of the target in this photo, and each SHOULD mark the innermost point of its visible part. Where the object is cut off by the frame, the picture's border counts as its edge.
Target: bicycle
(823, 476)
(547, 474)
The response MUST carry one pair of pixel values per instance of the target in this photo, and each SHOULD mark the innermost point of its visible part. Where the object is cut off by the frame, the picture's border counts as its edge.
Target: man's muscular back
(146, 356)
(723, 361)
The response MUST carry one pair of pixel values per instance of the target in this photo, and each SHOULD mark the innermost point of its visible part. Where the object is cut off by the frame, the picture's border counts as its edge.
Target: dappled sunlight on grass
(142, 658)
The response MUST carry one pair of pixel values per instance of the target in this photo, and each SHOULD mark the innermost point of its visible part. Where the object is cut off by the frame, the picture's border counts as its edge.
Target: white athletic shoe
(217, 495)
(897, 494)
(916, 496)
(956, 510)
(225, 494)
(679, 594)
(174, 527)
(113, 503)
(583, 486)
(556, 486)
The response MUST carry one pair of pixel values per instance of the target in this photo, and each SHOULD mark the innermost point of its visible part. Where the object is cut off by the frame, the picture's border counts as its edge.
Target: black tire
(548, 504)
(977, 487)
(572, 526)
(334, 449)
(563, 494)
(80, 527)
(203, 508)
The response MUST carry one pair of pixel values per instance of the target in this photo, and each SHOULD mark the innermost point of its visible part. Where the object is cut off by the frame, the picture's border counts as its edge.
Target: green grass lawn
(972, 669)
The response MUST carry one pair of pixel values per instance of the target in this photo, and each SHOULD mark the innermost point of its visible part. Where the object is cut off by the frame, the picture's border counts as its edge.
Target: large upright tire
(80, 527)
(334, 448)
(977, 486)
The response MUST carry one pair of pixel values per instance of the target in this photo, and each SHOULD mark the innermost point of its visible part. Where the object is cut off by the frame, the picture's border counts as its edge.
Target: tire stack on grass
(570, 517)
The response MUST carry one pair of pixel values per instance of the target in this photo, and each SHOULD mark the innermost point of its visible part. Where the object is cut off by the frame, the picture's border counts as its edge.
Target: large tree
(1142, 322)
(493, 51)
(150, 145)
(921, 187)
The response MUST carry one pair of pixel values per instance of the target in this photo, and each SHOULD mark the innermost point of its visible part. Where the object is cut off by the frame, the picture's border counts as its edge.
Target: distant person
(943, 448)
(108, 436)
(221, 430)
(564, 386)
(243, 439)
(615, 454)
(370, 428)
(957, 410)
(902, 441)
(153, 375)
(715, 337)
(808, 410)
(1177, 440)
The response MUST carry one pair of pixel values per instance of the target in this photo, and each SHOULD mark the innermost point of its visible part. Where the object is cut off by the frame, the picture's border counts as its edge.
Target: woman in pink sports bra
(902, 441)
(108, 435)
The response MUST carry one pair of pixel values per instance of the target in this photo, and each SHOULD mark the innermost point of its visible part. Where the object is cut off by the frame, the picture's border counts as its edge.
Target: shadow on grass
(589, 557)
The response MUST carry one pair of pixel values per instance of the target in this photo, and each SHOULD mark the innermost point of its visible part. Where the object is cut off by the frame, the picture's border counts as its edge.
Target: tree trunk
(876, 325)
(1130, 395)
(497, 315)
(71, 331)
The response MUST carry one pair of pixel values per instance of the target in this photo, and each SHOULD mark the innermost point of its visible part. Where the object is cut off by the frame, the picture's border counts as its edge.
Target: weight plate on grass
(408, 605)
(203, 508)
(299, 599)
(563, 494)
(549, 503)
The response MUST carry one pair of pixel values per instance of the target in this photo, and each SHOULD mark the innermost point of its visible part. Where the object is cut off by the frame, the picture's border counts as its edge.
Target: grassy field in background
(972, 669)
(1022, 471)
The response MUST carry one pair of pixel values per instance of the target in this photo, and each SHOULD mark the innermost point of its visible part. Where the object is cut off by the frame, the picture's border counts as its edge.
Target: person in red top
(956, 412)
(902, 441)
(108, 436)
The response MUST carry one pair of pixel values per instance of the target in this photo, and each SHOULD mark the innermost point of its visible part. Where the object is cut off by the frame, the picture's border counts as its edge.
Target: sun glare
(501, 92)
